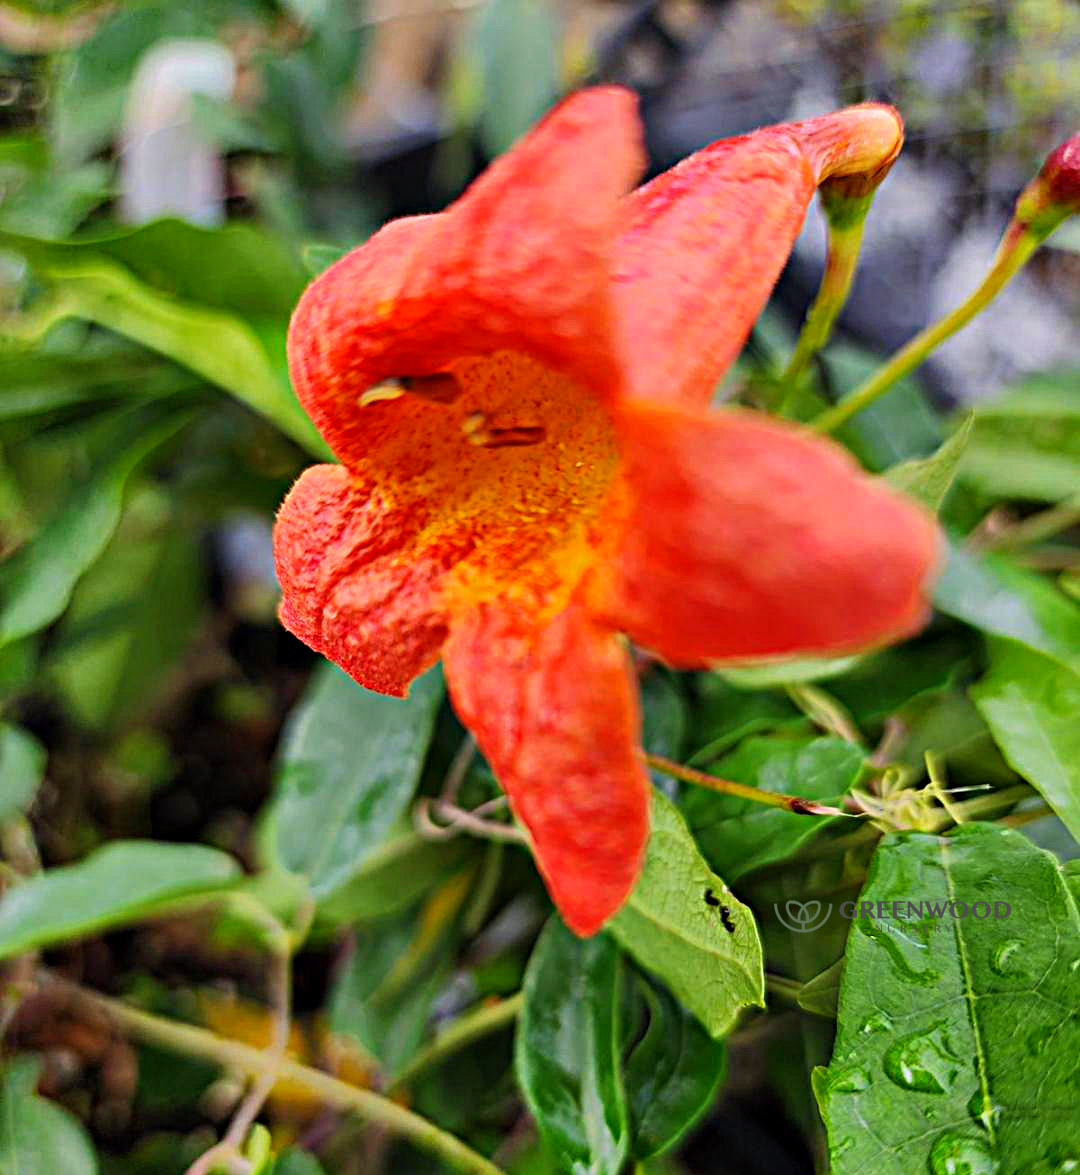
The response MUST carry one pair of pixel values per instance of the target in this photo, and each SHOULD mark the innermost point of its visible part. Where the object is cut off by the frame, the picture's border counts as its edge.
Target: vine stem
(1015, 250)
(199, 1042)
(742, 790)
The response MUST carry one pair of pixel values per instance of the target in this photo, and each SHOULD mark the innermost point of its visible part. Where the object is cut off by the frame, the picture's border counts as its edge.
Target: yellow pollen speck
(389, 389)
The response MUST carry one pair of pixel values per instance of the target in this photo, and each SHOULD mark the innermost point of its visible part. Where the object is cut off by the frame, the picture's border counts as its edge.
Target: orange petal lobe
(355, 586)
(520, 262)
(700, 250)
(743, 537)
(554, 708)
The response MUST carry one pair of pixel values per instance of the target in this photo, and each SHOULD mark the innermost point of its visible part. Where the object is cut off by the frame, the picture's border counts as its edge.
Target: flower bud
(1054, 194)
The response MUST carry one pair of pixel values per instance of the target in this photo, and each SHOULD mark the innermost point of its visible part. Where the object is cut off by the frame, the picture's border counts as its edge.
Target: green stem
(462, 1032)
(742, 790)
(1015, 250)
(198, 1042)
(845, 240)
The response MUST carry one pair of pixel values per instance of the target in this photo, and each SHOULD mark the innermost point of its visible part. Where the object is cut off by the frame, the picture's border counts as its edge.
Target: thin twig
(458, 820)
(742, 790)
(200, 1042)
(229, 1148)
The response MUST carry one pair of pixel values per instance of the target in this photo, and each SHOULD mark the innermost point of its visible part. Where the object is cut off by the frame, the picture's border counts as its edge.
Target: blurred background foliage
(170, 177)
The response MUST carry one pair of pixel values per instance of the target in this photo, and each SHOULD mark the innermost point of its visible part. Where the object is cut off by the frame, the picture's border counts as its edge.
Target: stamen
(478, 432)
(389, 389)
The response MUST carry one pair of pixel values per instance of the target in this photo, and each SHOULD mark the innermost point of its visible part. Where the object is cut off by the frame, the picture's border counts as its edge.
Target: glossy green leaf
(929, 480)
(222, 348)
(1031, 703)
(123, 882)
(998, 598)
(36, 583)
(38, 1137)
(958, 1036)
(1027, 443)
(671, 1075)
(238, 268)
(567, 1050)
(22, 768)
(685, 926)
(349, 765)
(737, 835)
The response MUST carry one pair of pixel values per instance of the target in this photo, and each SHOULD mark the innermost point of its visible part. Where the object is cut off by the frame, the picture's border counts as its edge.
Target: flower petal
(357, 587)
(702, 245)
(743, 537)
(520, 262)
(554, 708)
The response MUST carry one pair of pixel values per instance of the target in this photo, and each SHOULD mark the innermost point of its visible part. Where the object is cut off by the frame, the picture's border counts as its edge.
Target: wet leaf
(958, 1036)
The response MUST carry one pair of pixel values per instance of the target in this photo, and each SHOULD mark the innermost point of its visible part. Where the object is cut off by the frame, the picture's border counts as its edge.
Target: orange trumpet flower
(517, 389)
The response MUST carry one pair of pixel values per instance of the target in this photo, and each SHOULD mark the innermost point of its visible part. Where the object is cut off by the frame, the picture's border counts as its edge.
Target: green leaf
(22, 768)
(238, 268)
(738, 836)
(1027, 443)
(663, 718)
(676, 926)
(1031, 703)
(567, 1050)
(900, 425)
(225, 350)
(957, 1036)
(821, 994)
(787, 671)
(393, 877)
(131, 616)
(38, 1137)
(36, 583)
(1000, 599)
(725, 714)
(123, 882)
(928, 481)
(671, 1075)
(349, 765)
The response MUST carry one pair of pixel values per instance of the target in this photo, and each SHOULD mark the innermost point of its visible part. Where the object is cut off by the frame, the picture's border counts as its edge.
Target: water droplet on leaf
(851, 1080)
(957, 1154)
(923, 1062)
(878, 1022)
(897, 956)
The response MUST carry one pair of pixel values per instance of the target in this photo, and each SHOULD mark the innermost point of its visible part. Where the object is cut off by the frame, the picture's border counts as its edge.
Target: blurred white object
(166, 168)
